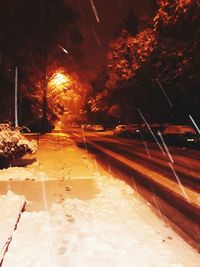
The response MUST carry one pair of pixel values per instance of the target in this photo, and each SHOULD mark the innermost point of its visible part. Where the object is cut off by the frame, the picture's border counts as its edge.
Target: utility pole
(44, 98)
(16, 97)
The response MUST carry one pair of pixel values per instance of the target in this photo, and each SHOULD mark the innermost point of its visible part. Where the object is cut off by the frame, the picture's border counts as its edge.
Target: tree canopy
(158, 68)
(30, 35)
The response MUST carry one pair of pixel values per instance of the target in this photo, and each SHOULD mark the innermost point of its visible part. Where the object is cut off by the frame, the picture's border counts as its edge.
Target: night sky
(97, 35)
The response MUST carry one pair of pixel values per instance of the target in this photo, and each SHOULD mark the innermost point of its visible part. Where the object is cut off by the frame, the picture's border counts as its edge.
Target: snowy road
(170, 181)
(81, 216)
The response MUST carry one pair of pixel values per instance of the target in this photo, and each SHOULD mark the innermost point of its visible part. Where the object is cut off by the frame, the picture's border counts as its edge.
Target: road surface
(168, 178)
(77, 214)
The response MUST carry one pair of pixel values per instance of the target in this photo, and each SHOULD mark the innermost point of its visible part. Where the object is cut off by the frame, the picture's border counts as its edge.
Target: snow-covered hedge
(13, 145)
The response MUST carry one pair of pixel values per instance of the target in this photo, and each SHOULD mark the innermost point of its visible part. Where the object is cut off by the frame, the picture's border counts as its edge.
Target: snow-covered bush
(13, 145)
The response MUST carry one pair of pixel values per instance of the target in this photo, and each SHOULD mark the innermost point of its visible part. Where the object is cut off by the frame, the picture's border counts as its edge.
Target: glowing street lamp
(58, 80)
(55, 86)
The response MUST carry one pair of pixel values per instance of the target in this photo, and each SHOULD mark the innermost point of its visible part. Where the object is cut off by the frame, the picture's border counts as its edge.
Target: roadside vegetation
(13, 145)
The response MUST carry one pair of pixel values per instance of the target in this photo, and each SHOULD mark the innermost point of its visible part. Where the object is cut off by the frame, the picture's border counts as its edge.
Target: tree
(128, 54)
(35, 29)
(177, 26)
(13, 145)
(158, 69)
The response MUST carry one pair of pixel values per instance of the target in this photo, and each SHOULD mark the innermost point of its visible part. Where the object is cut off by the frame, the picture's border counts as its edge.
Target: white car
(120, 130)
(98, 128)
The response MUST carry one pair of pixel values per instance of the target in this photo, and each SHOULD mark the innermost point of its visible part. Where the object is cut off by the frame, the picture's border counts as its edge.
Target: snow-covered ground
(11, 206)
(21, 174)
(113, 227)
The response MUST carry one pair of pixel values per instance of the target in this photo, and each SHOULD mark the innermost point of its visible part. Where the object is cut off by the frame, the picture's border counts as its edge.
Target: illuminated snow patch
(113, 229)
(10, 207)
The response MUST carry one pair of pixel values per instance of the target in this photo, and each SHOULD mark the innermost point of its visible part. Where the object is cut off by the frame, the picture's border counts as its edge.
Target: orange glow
(59, 81)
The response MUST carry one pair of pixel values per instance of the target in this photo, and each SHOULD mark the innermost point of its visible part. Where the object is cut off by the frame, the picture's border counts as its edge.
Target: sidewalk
(11, 206)
(86, 217)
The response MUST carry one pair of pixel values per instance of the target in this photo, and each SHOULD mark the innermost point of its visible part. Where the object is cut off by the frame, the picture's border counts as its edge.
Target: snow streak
(63, 49)
(194, 124)
(166, 148)
(165, 94)
(151, 131)
(179, 182)
(95, 11)
(96, 37)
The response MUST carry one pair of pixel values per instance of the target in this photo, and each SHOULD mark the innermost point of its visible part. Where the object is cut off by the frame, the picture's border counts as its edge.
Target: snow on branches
(177, 16)
(13, 145)
(128, 53)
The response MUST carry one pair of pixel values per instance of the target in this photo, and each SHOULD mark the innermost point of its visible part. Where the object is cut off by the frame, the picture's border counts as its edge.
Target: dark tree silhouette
(158, 69)
(30, 31)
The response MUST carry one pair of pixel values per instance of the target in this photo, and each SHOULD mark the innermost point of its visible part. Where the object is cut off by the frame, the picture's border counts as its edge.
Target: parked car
(88, 127)
(181, 135)
(155, 128)
(120, 130)
(98, 128)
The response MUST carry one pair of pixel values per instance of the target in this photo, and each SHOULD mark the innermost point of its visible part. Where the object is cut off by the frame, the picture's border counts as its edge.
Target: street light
(16, 98)
(57, 82)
